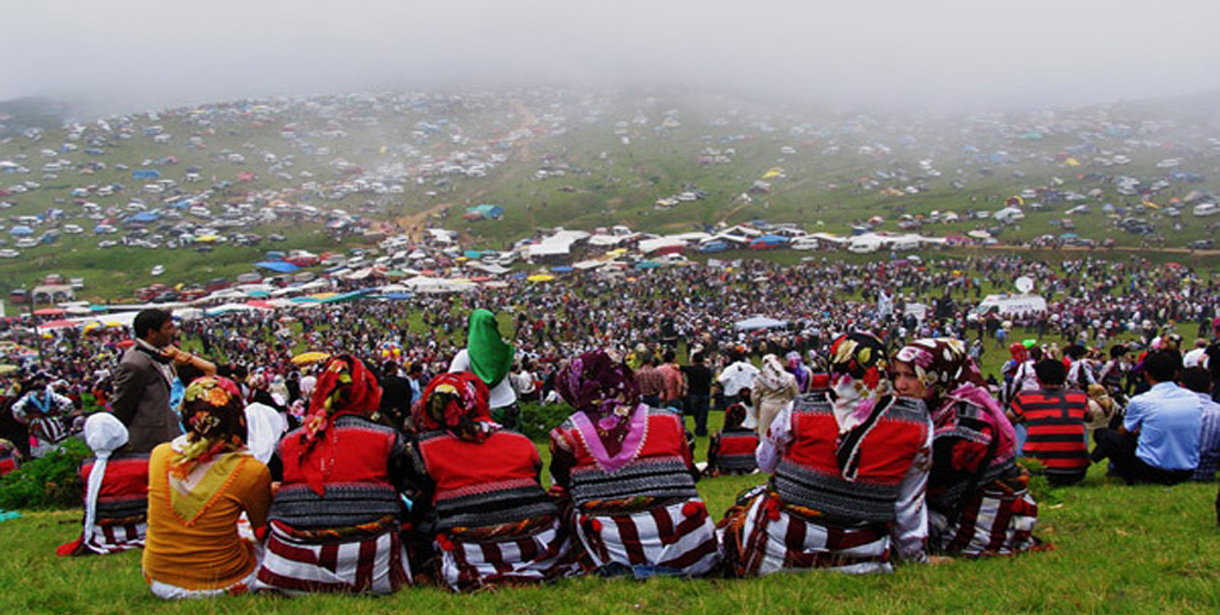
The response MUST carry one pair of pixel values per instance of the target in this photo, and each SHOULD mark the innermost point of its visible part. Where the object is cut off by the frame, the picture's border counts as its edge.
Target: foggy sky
(137, 54)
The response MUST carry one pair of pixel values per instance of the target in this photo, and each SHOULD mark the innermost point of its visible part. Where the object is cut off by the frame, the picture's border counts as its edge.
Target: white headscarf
(104, 433)
(264, 426)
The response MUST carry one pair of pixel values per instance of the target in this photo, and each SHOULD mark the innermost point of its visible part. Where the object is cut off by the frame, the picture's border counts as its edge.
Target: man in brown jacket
(143, 381)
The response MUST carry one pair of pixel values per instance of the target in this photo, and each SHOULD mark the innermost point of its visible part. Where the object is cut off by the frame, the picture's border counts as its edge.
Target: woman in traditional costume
(199, 485)
(628, 471)
(978, 499)
(335, 521)
(116, 491)
(495, 525)
(850, 464)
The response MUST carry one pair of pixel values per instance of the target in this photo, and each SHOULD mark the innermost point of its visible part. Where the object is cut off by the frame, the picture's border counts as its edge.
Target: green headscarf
(490, 356)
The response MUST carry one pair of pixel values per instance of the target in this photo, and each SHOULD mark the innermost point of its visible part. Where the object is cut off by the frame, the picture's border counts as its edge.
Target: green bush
(50, 482)
(538, 420)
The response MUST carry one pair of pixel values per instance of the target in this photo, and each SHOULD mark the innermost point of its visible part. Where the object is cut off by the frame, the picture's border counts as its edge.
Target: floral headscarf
(773, 375)
(609, 415)
(345, 386)
(215, 419)
(950, 376)
(857, 377)
(458, 403)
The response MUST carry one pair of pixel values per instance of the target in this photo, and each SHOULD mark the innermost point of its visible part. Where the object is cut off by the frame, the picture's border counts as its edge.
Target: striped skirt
(374, 564)
(763, 536)
(995, 521)
(474, 559)
(108, 538)
(668, 539)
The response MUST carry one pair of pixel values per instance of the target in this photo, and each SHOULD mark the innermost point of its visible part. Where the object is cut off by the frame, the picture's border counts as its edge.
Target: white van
(864, 245)
(1206, 209)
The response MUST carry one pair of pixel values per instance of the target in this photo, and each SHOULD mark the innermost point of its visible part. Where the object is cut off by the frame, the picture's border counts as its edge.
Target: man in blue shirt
(1158, 441)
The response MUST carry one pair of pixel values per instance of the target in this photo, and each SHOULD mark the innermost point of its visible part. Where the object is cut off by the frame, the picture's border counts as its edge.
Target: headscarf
(212, 449)
(213, 412)
(345, 386)
(458, 403)
(264, 427)
(1019, 352)
(857, 378)
(609, 415)
(104, 433)
(950, 375)
(773, 389)
(490, 356)
(798, 369)
(735, 417)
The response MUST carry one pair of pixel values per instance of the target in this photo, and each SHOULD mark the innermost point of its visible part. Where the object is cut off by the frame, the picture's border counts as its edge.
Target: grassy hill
(583, 159)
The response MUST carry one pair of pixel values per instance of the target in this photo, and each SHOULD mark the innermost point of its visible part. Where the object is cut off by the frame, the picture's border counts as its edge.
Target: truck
(1009, 305)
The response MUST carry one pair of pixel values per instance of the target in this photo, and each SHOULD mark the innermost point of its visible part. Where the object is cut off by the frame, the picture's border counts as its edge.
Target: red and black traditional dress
(334, 523)
(628, 471)
(494, 523)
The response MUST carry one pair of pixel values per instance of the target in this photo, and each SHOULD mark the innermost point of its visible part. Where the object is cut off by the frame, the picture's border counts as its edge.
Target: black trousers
(1120, 450)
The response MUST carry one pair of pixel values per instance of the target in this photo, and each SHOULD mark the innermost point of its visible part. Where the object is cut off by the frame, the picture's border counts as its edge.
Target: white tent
(758, 322)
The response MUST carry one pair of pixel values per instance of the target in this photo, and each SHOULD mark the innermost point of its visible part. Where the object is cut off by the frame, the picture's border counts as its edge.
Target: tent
(758, 322)
(278, 266)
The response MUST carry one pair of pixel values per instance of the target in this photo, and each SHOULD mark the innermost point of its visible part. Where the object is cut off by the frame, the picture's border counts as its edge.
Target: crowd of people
(396, 457)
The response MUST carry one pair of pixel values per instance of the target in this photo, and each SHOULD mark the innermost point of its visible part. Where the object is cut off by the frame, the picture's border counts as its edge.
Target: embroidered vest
(358, 488)
(737, 450)
(809, 475)
(124, 492)
(659, 470)
(479, 485)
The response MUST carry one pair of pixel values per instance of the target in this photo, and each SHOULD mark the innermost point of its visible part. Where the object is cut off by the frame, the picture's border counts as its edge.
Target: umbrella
(306, 358)
(647, 265)
(1170, 265)
(758, 322)
(50, 312)
(541, 277)
(562, 268)
(58, 324)
(98, 308)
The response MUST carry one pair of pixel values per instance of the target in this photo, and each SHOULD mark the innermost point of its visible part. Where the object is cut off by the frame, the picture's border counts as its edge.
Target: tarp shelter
(21, 231)
(758, 322)
(144, 217)
(484, 212)
(557, 245)
(278, 266)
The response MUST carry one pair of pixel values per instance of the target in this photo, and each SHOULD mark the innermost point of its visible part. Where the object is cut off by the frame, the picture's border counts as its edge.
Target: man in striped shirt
(1055, 422)
(1199, 381)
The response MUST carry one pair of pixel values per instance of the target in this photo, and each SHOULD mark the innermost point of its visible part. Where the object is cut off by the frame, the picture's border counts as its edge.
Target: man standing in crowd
(651, 381)
(395, 394)
(738, 375)
(1055, 422)
(675, 381)
(143, 381)
(1158, 441)
(699, 391)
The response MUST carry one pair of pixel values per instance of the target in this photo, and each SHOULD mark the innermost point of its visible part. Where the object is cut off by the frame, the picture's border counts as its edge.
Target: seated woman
(731, 450)
(116, 491)
(10, 457)
(850, 465)
(335, 518)
(495, 524)
(628, 471)
(978, 499)
(198, 486)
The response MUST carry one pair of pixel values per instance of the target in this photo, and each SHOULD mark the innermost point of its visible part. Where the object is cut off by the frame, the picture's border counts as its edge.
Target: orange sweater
(207, 553)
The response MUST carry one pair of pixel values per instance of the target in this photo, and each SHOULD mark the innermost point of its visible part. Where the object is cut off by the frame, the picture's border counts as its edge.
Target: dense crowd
(246, 465)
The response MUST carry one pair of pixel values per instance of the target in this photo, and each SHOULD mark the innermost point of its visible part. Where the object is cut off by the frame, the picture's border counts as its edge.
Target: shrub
(50, 482)
(538, 420)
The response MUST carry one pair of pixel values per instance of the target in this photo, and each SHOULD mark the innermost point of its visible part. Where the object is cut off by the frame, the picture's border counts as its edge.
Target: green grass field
(1118, 550)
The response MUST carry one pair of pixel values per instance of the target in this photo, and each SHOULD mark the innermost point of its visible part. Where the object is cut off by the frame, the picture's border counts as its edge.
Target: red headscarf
(457, 403)
(345, 386)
